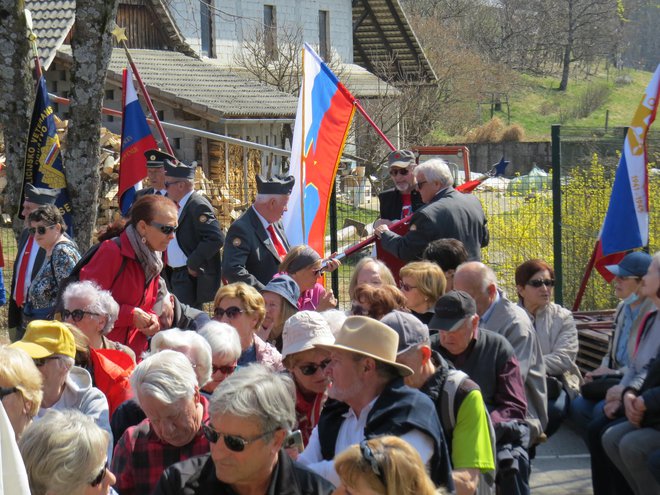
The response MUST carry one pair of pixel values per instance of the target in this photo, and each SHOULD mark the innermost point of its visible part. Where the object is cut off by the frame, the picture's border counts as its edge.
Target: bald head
(479, 281)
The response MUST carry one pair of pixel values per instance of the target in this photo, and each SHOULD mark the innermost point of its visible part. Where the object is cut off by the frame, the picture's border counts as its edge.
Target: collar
(491, 308)
(365, 410)
(184, 200)
(263, 221)
(441, 192)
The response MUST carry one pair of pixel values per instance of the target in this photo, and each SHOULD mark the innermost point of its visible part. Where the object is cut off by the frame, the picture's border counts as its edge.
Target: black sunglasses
(310, 369)
(369, 456)
(232, 442)
(399, 171)
(225, 370)
(231, 312)
(41, 230)
(548, 282)
(165, 229)
(98, 479)
(39, 362)
(77, 314)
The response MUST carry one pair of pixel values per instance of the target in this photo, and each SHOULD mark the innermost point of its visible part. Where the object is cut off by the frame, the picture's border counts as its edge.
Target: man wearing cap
(52, 347)
(29, 257)
(256, 242)
(457, 400)
(155, 174)
(499, 315)
(193, 256)
(447, 214)
(403, 198)
(370, 400)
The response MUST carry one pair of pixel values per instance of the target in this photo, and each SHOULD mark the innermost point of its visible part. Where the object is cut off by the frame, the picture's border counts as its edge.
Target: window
(324, 35)
(207, 34)
(177, 143)
(270, 32)
(109, 94)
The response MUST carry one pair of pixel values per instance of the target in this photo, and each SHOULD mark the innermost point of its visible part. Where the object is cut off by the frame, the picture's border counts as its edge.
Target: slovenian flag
(626, 224)
(323, 118)
(136, 138)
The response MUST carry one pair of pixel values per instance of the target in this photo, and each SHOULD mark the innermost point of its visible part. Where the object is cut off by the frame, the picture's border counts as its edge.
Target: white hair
(223, 339)
(335, 319)
(194, 346)
(100, 301)
(167, 376)
(262, 198)
(435, 170)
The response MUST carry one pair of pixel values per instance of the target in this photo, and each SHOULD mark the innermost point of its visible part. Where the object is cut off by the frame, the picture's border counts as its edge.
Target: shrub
(513, 132)
(490, 132)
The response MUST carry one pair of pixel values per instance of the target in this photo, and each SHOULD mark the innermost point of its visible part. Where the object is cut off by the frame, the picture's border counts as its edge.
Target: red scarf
(308, 412)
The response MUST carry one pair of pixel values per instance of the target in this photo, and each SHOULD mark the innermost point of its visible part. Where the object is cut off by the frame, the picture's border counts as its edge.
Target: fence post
(333, 237)
(556, 214)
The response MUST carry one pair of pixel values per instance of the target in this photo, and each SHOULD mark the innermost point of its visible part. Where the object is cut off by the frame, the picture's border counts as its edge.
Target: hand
(191, 272)
(614, 393)
(293, 453)
(602, 370)
(380, 229)
(146, 323)
(331, 264)
(635, 411)
(327, 301)
(382, 221)
(610, 409)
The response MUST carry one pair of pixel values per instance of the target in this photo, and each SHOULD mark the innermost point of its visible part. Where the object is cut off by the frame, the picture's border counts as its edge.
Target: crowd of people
(433, 382)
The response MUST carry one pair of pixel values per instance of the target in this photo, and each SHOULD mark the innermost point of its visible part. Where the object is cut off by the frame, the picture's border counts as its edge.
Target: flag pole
(373, 124)
(585, 279)
(120, 35)
(302, 152)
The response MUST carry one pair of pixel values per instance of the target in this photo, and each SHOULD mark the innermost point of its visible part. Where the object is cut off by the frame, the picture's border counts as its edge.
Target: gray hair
(435, 170)
(483, 272)
(101, 301)
(335, 319)
(193, 346)
(63, 452)
(256, 392)
(167, 376)
(223, 339)
(262, 198)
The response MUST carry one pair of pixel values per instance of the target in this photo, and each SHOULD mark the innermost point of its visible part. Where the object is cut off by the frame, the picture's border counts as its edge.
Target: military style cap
(179, 170)
(401, 159)
(157, 158)
(279, 184)
(41, 196)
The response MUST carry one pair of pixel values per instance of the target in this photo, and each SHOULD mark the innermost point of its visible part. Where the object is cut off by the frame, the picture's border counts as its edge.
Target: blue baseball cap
(634, 264)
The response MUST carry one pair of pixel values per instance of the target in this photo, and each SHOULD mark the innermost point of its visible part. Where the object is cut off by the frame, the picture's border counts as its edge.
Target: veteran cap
(278, 184)
(40, 195)
(157, 158)
(179, 170)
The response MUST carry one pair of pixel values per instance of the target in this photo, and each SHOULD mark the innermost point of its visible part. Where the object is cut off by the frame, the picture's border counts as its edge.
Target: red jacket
(129, 290)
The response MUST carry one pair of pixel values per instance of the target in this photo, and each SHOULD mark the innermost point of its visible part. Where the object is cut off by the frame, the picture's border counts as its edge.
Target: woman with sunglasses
(225, 351)
(129, 267)
(422, 284)
(383, 466)
(65, 454)
(556, 333)
(306, 364)
(48, 228)
(242, 307)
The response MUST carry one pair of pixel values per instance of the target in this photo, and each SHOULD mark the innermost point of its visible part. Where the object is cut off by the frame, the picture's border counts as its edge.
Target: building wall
(237, 20)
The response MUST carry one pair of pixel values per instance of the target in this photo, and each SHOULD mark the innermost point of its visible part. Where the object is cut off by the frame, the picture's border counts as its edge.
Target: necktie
(276, 242)
(19, 296)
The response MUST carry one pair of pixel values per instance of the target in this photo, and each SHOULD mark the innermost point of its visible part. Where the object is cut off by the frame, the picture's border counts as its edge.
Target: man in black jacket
(155, 173)
(403, 199)
(251, 416)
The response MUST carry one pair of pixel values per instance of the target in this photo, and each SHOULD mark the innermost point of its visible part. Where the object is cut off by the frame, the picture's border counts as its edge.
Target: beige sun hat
(304, 330)
(369, 337)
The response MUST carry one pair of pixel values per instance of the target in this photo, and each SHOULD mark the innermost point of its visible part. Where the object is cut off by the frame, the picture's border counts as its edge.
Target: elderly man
(457, 400)
(256, 243)
(166, 389)
(403, 198)
(371, 399)
(29, 256)
(498, 314)
(155, 174)
(447, 214)
(251, 416)
(193, 256)
(172, 313)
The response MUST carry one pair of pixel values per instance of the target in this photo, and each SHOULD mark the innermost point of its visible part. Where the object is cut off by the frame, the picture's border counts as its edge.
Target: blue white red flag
(323, 118)
(43, 160)
(626, 224)
(136, 138)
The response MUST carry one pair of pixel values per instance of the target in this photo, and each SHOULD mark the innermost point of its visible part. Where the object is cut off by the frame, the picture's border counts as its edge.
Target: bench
(595, 330)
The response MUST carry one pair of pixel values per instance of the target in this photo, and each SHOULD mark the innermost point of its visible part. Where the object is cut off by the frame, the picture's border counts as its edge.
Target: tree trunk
(16, 96)
(568, 49)
(91, 46)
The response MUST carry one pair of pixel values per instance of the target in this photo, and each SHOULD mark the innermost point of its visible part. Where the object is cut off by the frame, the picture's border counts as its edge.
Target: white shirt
(265, 223)
(350, 433)
(176, 258)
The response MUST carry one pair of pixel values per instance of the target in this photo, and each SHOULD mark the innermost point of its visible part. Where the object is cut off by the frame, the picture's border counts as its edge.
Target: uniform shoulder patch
(236, 242)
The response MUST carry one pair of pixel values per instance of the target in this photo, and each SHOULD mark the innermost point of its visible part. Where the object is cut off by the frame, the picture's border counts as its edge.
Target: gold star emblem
(119, 33)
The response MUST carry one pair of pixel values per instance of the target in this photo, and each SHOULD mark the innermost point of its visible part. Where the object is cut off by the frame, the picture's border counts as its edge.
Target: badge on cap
(236, 242)
(203, 219)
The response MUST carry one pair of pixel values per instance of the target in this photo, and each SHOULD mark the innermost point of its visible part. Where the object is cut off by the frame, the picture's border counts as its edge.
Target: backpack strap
(450, 393)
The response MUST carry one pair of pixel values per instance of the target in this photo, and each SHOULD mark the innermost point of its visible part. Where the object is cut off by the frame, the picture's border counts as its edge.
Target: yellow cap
(44, 338)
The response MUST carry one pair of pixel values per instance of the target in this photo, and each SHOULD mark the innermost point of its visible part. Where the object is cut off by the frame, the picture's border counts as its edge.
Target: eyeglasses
(318, 272)
(5, 391)
(225, 370)
(421, 184)
(231, 312)
(98, 479)
(232, 442)
(405, 287)
(77, 314)
(399, 171)
(41, 230)
(168, 183)
(368, 456)
(548, 282)
(165, 229)
(310, 369)
(39, 362)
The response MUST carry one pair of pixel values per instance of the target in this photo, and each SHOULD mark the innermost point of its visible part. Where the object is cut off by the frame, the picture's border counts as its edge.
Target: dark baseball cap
(410, 329)
(451, 310)
(634, 264)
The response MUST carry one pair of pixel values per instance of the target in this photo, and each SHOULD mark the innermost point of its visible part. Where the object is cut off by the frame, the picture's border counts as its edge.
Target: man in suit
(29, 257)
(193, 256)
(256, 243)
(155, 173)
(446, 214)
(404, 198)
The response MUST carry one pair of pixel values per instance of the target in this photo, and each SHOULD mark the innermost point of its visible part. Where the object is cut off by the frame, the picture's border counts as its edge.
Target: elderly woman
(370, 271)
(48, 228)
(376, 302)
(93, 311)
(307, 364)
(65, 454)
(304, 265)
(225, 351)
(242, 307)
(281, 296)
(129, 267)
(556, 333)
(422, 284)
(190, 344)
(22, 383)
